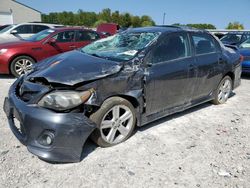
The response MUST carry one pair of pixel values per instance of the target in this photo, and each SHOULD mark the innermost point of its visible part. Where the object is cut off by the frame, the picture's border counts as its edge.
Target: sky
(216, 12)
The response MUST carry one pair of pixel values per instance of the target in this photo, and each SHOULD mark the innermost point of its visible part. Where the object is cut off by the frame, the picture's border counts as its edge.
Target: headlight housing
(3, 51)
(64, 100)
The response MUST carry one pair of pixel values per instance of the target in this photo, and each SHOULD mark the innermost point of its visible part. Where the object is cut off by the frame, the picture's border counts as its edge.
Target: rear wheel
(21, 65)
(223, 91)
(115, 122)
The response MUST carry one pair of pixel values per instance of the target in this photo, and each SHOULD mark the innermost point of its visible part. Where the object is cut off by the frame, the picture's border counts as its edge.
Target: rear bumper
(68, 131)
(4, 64)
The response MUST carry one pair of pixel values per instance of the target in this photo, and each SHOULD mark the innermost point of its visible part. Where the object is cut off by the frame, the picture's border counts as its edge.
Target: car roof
(165, 28)
(71, 28)
(35, 23)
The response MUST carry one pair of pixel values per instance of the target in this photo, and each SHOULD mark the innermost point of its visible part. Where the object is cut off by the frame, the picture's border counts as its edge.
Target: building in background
(13, 12)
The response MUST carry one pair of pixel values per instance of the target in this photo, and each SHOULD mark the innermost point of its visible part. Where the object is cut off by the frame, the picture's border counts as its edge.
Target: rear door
(170, 76)
(208, 61)
(64, 41)
(85, 37)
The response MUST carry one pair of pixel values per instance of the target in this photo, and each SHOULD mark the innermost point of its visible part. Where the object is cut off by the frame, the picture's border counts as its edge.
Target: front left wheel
(115, 122)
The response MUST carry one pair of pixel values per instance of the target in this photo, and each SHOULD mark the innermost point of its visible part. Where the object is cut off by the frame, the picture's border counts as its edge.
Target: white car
(22, 31)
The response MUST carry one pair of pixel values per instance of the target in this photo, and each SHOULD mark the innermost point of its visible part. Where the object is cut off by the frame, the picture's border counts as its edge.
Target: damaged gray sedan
(105, 89)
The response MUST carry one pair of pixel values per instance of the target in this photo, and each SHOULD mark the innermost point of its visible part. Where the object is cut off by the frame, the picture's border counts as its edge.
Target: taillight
(241, 58)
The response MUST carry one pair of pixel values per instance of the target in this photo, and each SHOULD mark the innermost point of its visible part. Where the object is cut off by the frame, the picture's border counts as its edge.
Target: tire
(115, 121)
(223, 91)
(21, 65)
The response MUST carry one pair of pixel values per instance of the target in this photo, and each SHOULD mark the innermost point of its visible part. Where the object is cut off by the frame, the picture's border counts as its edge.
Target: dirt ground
(206, 146)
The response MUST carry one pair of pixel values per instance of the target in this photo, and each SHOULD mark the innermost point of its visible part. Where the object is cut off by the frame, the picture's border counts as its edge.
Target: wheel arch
(231, 75)
(18, 55)
(129, 98)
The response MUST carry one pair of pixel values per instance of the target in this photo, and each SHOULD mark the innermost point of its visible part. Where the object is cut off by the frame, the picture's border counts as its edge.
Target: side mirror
(51, 41)
(13, 32)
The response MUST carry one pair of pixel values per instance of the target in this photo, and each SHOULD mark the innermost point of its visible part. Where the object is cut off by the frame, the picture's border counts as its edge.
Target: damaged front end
(51, 135)
(49, 113)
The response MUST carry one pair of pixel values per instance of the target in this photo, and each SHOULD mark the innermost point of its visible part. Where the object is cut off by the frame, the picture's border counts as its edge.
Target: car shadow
(90, 146)
(6, 76)
(245, 76)
(173, 116)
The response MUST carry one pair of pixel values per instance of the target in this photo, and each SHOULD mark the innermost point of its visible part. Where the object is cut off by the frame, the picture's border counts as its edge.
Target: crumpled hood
(74, 67)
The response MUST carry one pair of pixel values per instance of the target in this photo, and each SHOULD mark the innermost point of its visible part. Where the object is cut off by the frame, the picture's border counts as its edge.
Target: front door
(171, 76)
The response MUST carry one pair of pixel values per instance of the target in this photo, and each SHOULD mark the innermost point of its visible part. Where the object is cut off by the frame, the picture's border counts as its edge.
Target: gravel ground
(206, 146)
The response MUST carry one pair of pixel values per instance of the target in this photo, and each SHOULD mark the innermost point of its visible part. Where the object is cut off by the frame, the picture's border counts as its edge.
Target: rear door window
(203, 44)
(86, 36)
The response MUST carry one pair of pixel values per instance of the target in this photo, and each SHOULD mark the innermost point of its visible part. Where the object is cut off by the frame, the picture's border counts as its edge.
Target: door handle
(72, 46)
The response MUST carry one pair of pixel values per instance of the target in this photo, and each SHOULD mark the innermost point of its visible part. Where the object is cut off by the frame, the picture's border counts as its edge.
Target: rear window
(231, 38)
(86, 36)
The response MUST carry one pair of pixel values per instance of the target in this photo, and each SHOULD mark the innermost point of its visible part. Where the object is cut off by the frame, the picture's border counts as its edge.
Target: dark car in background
(18, 57)
(110, 86)
(235, 38)
(244, 50)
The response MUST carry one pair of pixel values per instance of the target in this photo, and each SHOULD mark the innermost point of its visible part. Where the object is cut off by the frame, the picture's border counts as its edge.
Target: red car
(17, 57)
(108, 28)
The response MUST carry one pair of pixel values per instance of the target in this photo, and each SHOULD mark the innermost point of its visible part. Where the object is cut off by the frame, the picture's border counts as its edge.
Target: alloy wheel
(116, 124)
(22, 66)
(224, 91)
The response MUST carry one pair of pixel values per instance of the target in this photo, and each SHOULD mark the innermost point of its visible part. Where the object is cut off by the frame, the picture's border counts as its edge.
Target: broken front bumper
(32, 125)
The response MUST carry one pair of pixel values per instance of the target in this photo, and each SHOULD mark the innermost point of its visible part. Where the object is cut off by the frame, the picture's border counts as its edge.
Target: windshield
(7, 28)
(41, 35)
(245, 44)
(231, 38)
(121, 47)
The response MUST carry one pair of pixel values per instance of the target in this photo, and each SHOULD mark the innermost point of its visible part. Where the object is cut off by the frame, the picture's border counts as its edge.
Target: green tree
(91, 19)
(105, 15)
(235, 25)
(147, 21)
(115, 16)
(202, 26)
(99, 22)
(136, 21)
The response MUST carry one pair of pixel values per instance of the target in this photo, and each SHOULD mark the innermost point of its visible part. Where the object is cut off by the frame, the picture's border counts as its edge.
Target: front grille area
(29, 92)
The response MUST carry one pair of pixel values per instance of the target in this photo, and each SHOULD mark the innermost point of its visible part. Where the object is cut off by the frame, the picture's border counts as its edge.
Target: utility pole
(164, 15)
